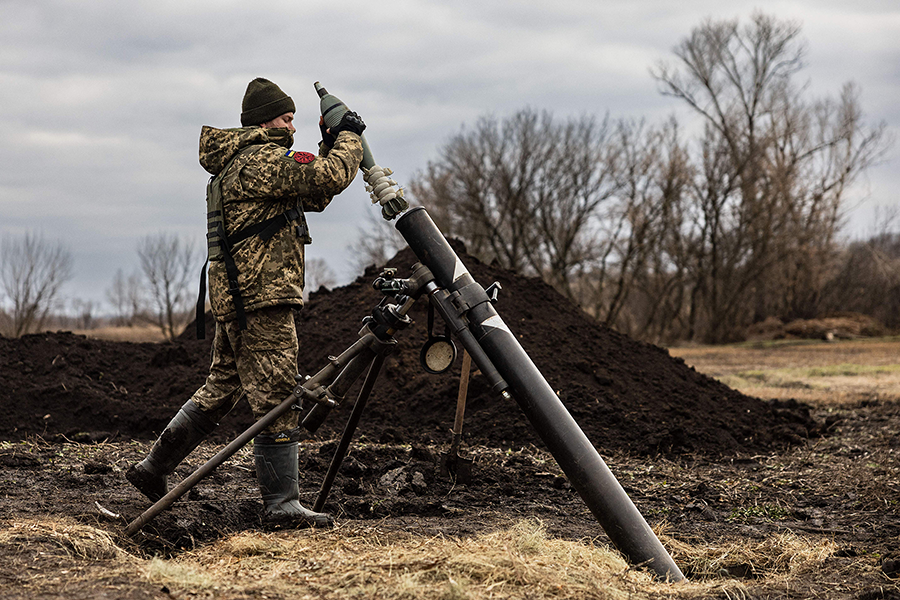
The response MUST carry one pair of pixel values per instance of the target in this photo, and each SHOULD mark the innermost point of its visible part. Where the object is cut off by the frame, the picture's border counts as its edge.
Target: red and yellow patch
(301, 157)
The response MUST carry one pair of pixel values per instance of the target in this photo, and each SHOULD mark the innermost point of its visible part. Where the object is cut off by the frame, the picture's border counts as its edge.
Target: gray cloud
(102, 101)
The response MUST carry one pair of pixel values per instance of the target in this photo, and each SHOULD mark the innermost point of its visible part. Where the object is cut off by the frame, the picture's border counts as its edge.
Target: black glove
(350, 121)
(327, 138)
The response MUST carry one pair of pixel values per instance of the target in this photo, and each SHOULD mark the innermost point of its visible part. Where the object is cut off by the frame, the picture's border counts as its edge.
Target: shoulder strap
(216, 238)
(215, 215)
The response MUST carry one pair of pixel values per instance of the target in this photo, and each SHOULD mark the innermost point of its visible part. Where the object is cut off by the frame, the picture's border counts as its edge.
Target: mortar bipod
(325, 388)
(420, 282)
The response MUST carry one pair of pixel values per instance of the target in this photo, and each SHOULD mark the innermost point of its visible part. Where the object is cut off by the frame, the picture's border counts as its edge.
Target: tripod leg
(341, 452)
(325, 375)
(209, 466)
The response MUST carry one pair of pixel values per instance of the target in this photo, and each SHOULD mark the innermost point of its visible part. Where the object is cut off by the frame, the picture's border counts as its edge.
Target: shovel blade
(457, 467)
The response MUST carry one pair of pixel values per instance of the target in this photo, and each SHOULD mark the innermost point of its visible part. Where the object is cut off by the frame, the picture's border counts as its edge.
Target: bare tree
(125, 294)
(596, 208)
(525, 192)
(655, 299)
(317, 274)
(376, 243)
(167, 263)
(773, 169)
(32, 271)
(867, 279)
(84, 313)
(572, 196)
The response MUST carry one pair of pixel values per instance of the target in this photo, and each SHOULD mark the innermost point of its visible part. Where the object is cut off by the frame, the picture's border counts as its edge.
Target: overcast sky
(101, 102)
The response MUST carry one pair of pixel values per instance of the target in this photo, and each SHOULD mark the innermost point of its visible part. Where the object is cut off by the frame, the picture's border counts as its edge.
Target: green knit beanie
(264, 101)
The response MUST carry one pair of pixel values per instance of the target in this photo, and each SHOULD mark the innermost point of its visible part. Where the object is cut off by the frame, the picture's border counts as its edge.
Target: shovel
(452, 463)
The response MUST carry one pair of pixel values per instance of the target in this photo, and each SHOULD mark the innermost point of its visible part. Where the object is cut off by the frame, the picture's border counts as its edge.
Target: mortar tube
(576, 456)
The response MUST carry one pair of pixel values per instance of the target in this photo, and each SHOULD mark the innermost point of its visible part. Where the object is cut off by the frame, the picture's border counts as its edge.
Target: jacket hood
(217, 146)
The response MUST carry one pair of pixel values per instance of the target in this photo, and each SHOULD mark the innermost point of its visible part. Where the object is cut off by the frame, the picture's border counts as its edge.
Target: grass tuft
(362, 561)
(176, 575)
(778, 555)
(78, 541)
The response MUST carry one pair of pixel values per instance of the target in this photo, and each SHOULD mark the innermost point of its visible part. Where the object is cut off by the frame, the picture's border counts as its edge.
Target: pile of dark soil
(628, 396)
(842, 326)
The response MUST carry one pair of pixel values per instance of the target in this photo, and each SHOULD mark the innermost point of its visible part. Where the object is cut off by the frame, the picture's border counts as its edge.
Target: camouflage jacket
(263, 183)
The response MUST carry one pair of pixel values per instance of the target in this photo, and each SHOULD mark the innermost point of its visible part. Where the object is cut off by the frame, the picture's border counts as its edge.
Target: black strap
(200, 315)
(231, 271)
(266, 229)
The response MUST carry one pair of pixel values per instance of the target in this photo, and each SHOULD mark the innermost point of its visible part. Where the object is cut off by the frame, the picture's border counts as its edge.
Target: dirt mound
(846, 326)
(628, 396)
(843, 326)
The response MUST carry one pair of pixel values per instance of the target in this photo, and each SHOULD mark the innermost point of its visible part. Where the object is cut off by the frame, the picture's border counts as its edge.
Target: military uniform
(264, 181)
(255, 282)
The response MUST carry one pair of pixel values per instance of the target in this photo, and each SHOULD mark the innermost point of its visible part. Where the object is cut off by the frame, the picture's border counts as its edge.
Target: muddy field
(754, 498)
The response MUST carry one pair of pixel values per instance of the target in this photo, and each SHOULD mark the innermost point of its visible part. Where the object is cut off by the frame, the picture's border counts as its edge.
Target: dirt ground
(709, 467)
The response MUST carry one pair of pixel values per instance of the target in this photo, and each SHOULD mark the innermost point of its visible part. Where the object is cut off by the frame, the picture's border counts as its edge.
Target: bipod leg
(209, 466)
(341, 452)
(325, 375)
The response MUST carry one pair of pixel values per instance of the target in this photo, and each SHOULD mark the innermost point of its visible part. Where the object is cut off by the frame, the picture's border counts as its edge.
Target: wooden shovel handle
(463, 393)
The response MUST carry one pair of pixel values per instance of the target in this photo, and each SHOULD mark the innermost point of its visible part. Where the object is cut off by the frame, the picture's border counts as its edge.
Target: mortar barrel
(577, 457)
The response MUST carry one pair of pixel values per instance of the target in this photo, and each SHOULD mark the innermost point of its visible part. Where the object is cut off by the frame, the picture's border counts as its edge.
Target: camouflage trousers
(259, 362)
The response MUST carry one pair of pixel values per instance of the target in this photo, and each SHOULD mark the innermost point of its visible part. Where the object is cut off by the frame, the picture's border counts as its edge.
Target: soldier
(255, 282)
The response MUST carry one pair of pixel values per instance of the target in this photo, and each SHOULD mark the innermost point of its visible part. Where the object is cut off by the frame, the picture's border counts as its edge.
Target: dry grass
(143, 333)
(779, 556)
(366, 561)
(810, 371)
(76, 540)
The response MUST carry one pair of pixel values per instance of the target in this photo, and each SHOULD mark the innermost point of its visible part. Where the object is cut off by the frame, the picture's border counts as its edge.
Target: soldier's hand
(327, 138)
(350, 121)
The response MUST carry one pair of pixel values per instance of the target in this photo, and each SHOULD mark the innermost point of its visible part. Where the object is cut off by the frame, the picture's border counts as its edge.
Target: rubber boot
(183, 433)
(277, 465)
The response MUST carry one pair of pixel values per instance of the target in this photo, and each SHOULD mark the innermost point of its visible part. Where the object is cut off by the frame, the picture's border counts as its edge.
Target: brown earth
(626, 395)
(712, 464)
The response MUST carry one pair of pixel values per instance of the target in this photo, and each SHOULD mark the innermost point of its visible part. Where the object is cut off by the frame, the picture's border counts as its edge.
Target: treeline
(161, 293)
(668, 233)
(33, 271)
